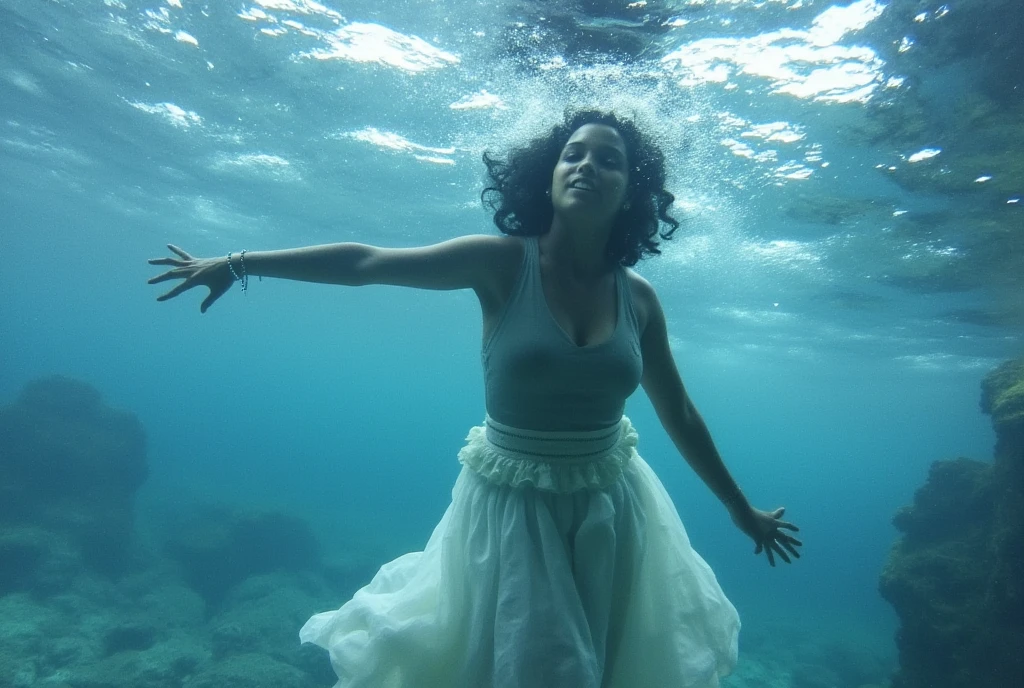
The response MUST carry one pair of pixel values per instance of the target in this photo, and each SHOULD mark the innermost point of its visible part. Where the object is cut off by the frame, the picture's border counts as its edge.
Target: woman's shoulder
(499, 244)
(645, 298)
(501, 259)
(506, 249)
(495, 251)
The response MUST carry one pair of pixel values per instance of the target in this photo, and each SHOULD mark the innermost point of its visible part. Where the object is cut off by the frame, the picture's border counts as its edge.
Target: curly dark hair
(519, 182)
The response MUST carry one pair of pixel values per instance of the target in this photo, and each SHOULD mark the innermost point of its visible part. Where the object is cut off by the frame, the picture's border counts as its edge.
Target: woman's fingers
(213, 296)
(180, 252)
(781, 543)
(185, 257)
(790, 539)
(183, 287)
(169, 275)
(781, 552)
(777, 515)
(166, 261)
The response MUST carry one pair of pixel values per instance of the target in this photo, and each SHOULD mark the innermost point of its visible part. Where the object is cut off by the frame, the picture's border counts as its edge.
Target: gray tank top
(537, 378)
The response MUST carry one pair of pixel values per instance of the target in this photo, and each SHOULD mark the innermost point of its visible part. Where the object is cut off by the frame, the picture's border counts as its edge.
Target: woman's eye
(607, 161)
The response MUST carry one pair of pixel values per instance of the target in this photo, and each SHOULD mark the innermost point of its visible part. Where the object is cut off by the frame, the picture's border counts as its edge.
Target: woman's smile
(587, 185)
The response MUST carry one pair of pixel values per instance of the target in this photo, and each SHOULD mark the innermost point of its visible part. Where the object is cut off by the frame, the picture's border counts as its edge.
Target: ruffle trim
(515, 470)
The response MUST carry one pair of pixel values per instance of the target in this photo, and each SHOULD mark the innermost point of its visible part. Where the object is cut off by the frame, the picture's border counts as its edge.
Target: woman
(561, 560)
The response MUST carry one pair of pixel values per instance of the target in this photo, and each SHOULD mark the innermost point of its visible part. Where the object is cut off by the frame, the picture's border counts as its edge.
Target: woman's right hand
(213, 273)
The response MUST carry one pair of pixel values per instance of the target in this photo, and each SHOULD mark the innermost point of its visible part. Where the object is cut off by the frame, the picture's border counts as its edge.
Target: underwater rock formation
(36, 559)
(956, 577)
(69, 469)
(219, 547)
(222, 610)
(1002, 397)
(262, 615)
(149, 631)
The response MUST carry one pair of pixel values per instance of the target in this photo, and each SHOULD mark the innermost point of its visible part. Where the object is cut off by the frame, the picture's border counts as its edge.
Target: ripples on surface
(834, 181)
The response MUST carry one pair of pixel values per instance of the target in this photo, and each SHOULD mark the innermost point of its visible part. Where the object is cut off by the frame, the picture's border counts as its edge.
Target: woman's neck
(580, 250)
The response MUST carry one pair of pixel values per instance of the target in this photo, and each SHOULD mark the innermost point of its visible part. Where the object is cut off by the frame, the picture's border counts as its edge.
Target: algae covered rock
(955, 504)
(23, 635)
(219, 547)
(61, 441)
(162, 664)
(36, 560)
(956, 576)
(71, 465)
(1002, 397)
(250, 671)
(935, 578)
(77, 611)
(263, 614)
(98, 633)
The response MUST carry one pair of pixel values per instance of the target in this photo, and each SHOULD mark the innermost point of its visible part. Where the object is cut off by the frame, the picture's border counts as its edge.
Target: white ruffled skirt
(561, 562)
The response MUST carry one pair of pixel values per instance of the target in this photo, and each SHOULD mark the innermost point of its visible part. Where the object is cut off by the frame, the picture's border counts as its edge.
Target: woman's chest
(586, 311)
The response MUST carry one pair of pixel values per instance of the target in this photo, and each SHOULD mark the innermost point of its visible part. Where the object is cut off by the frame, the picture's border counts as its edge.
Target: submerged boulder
(36, 560)
(71, 465)
(956, 576)
(263, 614)
(1002, 397)
(250, 671)
(219, 547)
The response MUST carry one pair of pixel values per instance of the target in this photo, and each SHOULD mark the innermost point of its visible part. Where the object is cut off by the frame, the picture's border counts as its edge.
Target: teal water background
(832, 317)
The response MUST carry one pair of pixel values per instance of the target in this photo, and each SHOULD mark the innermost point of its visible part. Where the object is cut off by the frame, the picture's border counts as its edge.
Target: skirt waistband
(552, 461)
(560, 446)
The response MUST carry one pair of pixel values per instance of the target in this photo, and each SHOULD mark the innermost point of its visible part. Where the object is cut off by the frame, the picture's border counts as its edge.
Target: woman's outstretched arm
(462, 263)
(686, 428)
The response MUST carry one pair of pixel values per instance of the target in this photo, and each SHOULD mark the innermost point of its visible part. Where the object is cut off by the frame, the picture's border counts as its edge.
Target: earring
(547, 192)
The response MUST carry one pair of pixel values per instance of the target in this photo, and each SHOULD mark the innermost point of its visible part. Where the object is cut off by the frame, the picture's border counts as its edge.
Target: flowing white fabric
(542, 573)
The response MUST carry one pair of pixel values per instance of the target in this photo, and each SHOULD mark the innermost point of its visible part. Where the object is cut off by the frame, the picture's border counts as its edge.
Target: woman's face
(592, 174)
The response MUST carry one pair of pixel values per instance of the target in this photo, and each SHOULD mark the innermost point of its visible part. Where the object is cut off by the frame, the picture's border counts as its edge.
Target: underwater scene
(844, 298)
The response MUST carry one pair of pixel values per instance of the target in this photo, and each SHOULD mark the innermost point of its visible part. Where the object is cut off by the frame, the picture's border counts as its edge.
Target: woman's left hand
(766, 530)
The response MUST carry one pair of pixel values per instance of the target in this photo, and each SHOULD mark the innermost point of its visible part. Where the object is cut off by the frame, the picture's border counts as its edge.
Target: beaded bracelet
(244, 278)
(245, 275)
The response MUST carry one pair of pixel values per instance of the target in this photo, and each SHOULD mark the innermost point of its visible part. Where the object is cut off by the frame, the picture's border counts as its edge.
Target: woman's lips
(588, 189)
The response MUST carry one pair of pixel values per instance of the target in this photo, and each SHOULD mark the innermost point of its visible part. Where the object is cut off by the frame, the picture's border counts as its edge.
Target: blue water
(832, 314)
